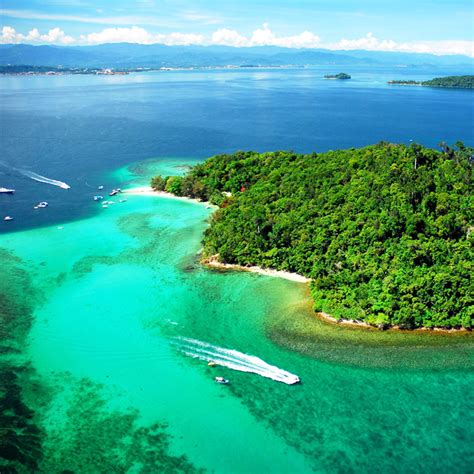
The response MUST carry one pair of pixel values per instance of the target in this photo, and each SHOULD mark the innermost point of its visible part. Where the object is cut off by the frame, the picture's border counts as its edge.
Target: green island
(341, 75)
(457, 82)
(384, 232)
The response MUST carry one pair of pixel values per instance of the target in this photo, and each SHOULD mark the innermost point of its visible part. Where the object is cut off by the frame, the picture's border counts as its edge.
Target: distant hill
(129, 55)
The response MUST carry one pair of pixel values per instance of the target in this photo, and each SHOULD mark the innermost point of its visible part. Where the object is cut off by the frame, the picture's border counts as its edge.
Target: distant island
(384, 232)
(458, 82)
(341, 75)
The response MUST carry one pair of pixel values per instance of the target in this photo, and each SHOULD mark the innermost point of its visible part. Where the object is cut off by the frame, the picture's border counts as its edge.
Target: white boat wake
(234, 360)
(43, 179)
(36, 176)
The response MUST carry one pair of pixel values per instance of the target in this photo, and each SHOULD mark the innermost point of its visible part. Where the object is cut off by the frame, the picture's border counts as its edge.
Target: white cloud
(371, 43)
(54, 36)
(263, 36)
(228, 37)
(118, 35)
(140, 35)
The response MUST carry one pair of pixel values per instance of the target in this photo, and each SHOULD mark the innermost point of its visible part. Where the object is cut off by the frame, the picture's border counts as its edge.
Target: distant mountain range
(129, 55)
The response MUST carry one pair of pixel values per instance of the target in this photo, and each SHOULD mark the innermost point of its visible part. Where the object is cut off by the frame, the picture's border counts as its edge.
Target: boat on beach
(6, 191)
(221, 380)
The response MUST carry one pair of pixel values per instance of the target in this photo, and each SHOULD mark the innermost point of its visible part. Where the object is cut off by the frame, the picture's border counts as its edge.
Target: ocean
(108, 319)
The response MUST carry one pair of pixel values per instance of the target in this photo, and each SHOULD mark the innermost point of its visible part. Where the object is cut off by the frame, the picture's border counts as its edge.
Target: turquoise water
(109, 384)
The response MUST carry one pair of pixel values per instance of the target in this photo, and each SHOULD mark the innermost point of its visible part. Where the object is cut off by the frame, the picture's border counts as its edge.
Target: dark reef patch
(20, 436)
(90, 436)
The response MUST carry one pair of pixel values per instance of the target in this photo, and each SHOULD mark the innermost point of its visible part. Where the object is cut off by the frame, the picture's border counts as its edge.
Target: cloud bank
(54, 36)
(263, 36)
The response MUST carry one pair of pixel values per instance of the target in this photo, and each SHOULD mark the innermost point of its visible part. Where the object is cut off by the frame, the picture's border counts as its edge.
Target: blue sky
(406, 25)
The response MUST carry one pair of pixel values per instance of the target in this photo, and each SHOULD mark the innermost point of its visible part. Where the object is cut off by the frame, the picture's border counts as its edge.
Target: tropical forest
(384, 232)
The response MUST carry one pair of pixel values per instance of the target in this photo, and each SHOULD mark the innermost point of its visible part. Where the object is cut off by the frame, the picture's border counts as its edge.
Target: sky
(434, 26)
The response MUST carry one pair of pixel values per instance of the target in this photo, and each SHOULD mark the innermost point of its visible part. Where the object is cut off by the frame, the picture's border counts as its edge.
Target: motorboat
(41, 205)
(98, 198)
(221, 380)
(8, 218)
(6, 191)
(100, 188)
(211, 363)
(115, 191)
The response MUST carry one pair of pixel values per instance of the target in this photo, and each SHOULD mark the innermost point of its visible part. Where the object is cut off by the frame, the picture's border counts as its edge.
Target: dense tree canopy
(458, 82)
(341, 75)
(385, 232)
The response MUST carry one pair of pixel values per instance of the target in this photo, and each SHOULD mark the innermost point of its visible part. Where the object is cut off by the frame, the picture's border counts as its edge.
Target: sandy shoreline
(212, 262)
(149, 191)
(363, 325)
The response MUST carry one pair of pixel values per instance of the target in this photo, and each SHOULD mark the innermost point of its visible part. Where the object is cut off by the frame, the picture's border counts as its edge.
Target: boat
(122, 200)
(6, 191)
(98, 198)
(8, 218)
(100, 188)
(41, 205)
(115, 191)
(221, 380)
(211, 363)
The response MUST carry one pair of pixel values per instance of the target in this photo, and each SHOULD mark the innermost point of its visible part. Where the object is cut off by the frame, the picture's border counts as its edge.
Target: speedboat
(8, 218)
(6, 191)
(221, 380)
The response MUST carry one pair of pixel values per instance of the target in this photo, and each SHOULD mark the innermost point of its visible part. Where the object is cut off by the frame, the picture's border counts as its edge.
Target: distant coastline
(63, 71)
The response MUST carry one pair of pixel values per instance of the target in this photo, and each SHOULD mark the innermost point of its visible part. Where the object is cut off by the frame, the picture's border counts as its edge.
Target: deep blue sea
(76, 128)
